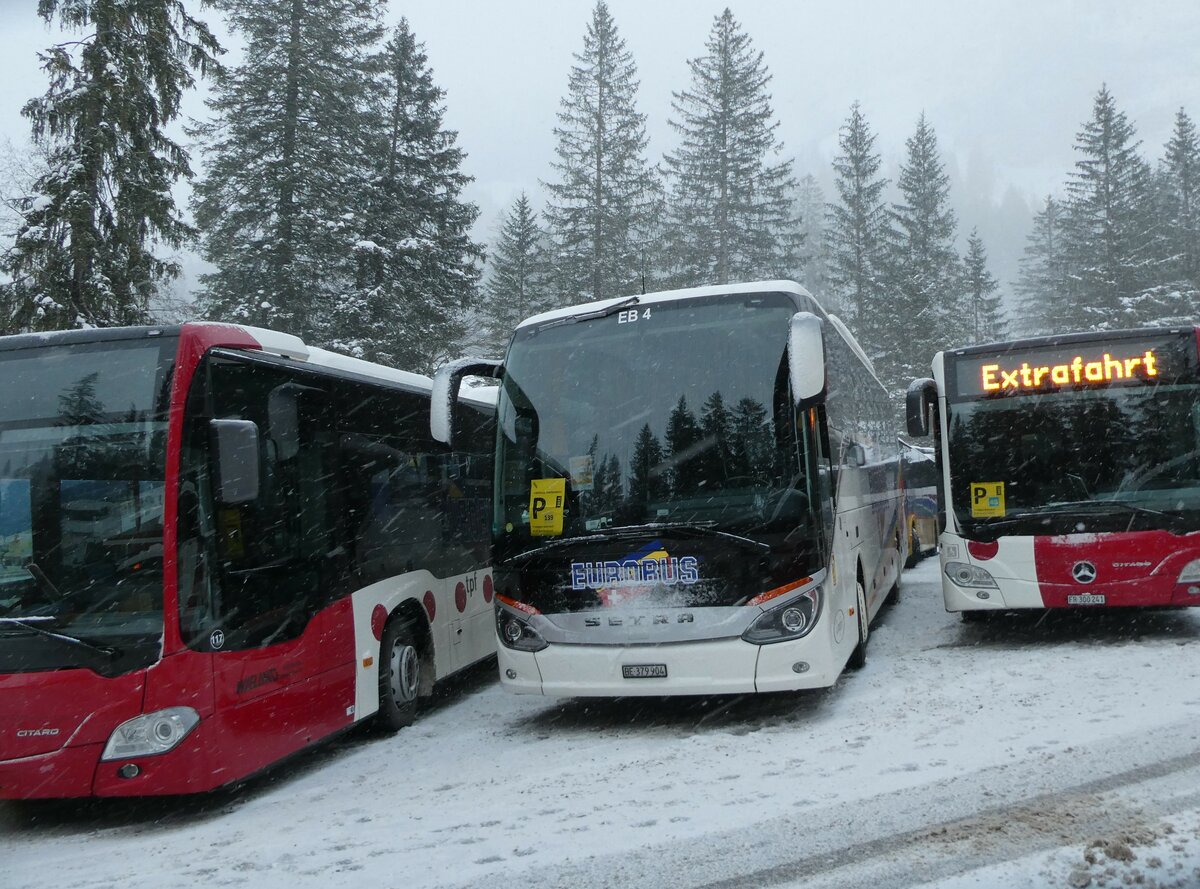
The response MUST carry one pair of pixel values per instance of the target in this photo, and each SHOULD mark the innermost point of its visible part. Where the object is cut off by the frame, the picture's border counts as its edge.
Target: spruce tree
(646, 478)
(600, 200)
(731, 212)
(716, 459)
(683, 434)
(752, 446)
(1180, 192)
(981, 291)
(280, 206)
(1043, 286)
(921, 313)
(813, 260)
(857, 229)
(1109, 241)
(85, 251)
(515, 287)
(417, 266)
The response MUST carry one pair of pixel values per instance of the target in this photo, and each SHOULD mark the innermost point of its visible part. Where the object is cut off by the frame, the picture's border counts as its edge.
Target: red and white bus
(218, 546)
(696, 493)
(1069, 469)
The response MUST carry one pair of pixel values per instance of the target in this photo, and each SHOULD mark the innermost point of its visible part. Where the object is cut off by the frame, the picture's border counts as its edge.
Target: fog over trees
(330, 197)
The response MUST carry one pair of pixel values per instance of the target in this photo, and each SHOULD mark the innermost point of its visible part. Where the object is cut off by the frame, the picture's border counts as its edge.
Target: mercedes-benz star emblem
(1083, 572)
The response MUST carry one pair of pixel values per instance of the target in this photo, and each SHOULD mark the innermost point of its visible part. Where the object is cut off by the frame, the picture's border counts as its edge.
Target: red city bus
(217, 547)
(1068, 470)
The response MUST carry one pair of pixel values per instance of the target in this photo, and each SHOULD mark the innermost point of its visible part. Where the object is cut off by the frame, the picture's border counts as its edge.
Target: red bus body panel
(1138, 568)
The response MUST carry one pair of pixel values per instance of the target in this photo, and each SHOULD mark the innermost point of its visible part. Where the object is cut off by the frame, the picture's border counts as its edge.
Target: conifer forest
(325, 194)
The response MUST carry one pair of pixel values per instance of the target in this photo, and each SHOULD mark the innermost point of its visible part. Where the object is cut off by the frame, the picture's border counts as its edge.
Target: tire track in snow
(935, 831)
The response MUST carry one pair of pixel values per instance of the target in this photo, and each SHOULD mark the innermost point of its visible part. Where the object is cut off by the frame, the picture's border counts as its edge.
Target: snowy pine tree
(515, 287)
(1109, 233)
(86, 250)
(981, 293)
(731, 212)
(1179, 181)
(921, 313)
(417, 266)
(1043, 288)
(600, 199)
(813, 259)
(857, 229)
(279, 208)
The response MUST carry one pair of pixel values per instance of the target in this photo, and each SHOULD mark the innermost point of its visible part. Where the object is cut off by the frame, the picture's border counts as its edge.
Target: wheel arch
(411, 611)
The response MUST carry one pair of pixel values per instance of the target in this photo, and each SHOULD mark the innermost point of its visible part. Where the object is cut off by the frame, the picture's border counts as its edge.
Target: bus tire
(914, 550)
(894, 593)
(399, 675)
(858, 657)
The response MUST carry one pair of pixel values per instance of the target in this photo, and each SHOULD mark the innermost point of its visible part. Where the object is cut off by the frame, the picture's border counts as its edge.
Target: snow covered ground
(1020, 753)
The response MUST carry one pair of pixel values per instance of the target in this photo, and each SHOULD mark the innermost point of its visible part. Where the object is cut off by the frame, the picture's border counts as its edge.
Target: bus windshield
(1110, 459)
(82, 463)
(671, 412)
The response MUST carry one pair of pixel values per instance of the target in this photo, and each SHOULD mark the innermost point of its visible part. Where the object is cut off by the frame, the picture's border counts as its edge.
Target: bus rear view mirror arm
(446, 383)
(806, 359)
(235, 452)
(920, 398)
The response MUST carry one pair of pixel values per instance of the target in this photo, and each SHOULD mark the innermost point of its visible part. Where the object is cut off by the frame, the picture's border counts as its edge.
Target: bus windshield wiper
(25, 624)
(1087, 508)
(624, 532)
(602, 312)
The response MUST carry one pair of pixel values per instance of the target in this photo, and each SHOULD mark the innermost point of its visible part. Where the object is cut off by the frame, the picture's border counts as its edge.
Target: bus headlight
(793, 619)
(1190, 572)
(515, 632)
(962, 574)
(150, 734)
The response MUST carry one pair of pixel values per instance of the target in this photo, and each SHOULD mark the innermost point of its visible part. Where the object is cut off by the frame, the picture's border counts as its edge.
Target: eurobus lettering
(731, 519)
(218, 546)
(1084, 494)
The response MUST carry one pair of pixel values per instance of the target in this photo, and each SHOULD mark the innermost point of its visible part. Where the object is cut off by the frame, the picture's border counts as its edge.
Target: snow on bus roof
(662, 296)
(290, 346)
(775, 286)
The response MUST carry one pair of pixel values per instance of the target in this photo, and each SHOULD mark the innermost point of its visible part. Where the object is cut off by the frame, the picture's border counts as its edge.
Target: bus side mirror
(856, 455)
(806, 359)
(444, 407)
(920, 398)
(235, 452)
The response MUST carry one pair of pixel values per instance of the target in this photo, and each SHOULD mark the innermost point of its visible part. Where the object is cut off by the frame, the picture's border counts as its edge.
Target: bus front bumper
(720, 666)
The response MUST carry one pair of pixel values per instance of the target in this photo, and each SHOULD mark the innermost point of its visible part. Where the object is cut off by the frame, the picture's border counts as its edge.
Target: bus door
(467, 511)
(262, 611)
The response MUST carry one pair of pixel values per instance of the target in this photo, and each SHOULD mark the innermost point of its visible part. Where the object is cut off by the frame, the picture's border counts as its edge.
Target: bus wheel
(858, 657)
(914, 550)
(894, 593)
(399, 675)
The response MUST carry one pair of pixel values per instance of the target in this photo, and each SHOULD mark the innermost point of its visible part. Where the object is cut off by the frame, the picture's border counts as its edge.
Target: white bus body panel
(715, 666)
(1012, 567)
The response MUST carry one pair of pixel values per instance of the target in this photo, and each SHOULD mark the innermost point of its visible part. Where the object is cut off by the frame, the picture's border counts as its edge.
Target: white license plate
(644, 671)
(1085, 599)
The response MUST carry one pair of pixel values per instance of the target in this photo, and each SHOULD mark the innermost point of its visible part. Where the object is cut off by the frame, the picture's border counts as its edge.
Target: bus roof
(662, 296)
(271, 341)
(1064, 339)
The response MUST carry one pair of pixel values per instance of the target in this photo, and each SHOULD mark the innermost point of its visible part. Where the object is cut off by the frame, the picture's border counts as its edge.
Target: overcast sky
(1006, 85)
